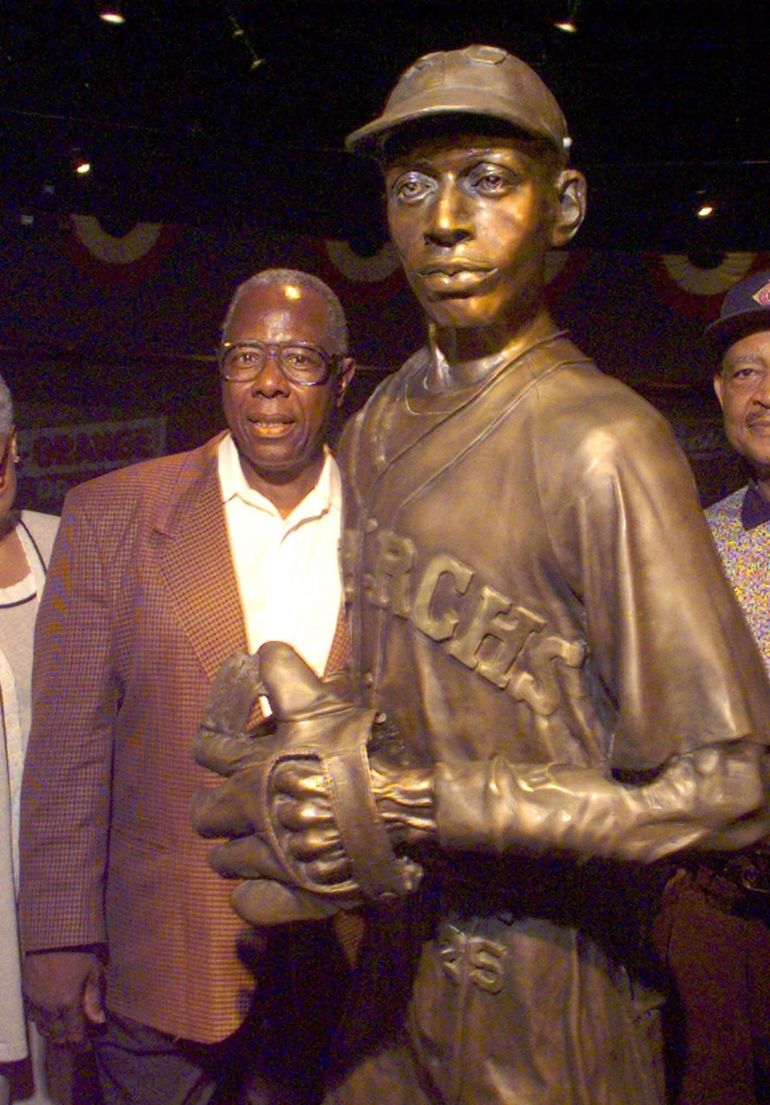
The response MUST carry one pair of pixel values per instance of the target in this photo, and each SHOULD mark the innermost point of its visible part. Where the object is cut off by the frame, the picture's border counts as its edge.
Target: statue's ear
(571, 206)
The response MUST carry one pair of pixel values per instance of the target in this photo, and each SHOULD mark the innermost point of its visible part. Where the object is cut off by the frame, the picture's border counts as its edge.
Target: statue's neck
(461, 358)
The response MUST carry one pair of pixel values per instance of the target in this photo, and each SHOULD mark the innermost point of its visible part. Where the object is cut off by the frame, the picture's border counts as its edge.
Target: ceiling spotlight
(111, 13)
(568, 24)
(705, 203)
(80, 163)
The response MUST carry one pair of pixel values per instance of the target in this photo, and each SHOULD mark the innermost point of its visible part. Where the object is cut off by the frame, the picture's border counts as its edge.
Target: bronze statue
(553, 684)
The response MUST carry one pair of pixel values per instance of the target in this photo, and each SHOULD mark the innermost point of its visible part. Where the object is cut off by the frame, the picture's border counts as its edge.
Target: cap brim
(724, 331)
(464, 101)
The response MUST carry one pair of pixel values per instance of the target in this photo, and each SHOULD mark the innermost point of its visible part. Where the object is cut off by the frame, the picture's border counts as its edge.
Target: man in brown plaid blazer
(149, 591)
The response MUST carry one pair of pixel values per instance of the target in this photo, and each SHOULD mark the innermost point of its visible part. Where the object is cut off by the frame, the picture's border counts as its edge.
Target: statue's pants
(503, 1012)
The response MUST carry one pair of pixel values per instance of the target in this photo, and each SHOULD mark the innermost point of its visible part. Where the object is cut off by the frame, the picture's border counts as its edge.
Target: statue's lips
(454, 277)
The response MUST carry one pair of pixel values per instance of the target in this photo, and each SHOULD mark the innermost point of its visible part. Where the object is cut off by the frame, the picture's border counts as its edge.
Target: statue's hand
(402, 795)
(303, 808)
(297, 805)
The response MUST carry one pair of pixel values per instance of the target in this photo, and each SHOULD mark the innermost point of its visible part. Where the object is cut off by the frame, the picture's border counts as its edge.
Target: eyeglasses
(6, 455)
(300, 362)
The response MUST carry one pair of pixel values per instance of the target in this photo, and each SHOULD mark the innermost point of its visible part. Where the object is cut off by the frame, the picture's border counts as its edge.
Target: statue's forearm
(714, 797)
(406, 802)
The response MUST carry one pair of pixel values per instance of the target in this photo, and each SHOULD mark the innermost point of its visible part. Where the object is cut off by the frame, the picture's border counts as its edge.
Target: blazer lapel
(195, 561)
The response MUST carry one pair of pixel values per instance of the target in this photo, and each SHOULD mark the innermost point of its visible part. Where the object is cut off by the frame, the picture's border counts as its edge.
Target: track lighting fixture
(239, 34)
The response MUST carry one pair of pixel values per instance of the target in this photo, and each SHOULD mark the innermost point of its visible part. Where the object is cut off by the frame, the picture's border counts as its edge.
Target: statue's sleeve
(664, 629)
(670, 645)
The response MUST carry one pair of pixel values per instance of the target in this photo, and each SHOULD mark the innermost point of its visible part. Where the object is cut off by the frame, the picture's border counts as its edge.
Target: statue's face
(743, 389)
(472, 217)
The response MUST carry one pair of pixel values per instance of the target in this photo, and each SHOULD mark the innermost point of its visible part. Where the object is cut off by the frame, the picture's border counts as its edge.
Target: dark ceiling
(668, 101)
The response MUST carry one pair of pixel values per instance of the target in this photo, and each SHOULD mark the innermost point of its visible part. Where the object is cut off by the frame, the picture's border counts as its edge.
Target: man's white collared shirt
(288, 569)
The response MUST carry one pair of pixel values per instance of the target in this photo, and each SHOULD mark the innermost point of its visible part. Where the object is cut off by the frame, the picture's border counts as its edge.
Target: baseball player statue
(553, 685)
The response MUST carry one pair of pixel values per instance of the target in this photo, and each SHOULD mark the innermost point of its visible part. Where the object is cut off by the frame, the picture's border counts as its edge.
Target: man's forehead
(283, 304)
(751, 347)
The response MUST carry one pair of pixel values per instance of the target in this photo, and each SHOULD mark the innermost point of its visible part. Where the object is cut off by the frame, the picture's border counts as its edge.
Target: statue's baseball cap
(477, 80)
(745, 309)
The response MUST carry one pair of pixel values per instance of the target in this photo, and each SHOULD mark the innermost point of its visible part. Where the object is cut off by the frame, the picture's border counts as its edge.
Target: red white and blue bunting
(689, 284)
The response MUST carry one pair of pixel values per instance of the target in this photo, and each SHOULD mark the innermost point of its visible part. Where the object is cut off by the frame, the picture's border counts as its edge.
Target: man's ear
(719, 388)
(571, 206)
(344, 376)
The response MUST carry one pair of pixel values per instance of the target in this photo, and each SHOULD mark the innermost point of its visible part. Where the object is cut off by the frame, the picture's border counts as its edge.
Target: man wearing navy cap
(554, 684)
(713, 929)
(741, 337)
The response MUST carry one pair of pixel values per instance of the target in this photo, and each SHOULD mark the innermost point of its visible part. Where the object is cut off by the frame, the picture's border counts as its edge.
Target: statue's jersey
(530, 577)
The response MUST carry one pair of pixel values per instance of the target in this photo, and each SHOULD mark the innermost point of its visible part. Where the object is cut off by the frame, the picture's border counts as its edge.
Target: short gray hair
(338, 324)
(6, 409)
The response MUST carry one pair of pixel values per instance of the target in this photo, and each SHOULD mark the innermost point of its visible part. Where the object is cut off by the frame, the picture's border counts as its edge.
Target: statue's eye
(491, 180)
(412, 187)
